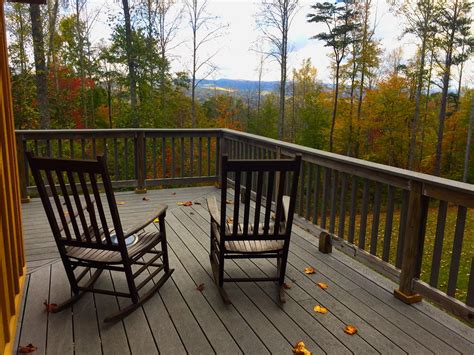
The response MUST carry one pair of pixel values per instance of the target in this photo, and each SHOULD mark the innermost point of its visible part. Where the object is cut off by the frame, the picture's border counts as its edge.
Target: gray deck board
(180, 319)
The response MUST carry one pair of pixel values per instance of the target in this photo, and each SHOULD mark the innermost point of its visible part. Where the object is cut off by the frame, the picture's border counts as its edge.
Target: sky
(236, 59)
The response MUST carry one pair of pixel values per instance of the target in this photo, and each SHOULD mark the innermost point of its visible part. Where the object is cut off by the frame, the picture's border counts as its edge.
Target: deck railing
(414, 228)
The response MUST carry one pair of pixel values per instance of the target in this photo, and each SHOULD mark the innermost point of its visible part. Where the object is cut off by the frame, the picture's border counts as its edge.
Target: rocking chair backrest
(264, 181)
(76, 213)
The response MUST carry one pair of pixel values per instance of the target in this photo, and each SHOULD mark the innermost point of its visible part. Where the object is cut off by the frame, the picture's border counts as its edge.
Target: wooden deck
(181, 319)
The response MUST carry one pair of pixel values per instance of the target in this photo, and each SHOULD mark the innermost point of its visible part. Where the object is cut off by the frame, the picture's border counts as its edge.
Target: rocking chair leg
(130, 308)
(281, 280)
(77, 296)
(217, 280)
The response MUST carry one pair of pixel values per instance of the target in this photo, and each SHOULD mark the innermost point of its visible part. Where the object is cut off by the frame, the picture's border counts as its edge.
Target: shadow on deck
(182, 319)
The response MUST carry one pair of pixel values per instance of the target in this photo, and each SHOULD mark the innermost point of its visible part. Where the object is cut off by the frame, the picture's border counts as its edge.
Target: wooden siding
(12, 259)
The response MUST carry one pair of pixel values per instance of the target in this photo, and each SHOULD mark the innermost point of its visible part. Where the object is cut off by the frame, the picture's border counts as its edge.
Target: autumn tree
(453, 28)
(40, 65)
(205, 28)
(274, 21)
(338, 19)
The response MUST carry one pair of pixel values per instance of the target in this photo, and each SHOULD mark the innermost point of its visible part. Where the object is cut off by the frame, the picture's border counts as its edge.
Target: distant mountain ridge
(239, 85)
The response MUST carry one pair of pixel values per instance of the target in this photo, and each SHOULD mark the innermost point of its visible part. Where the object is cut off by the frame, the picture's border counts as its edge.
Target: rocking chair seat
(145, 241)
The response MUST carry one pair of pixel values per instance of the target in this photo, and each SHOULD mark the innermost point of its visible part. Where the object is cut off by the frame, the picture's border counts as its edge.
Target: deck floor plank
(180, 319)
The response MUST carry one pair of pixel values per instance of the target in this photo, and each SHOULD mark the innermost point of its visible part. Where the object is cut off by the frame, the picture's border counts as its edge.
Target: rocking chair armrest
(158, 212)
(213, 210)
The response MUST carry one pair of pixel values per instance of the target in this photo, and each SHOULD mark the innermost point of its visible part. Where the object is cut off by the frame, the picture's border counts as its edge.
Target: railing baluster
(470, 287)
(438, 243)
(457, 248)
(342, 210)
(387, 237)
(126, 159)
(316, 194)
(173, 158)
(363, 216)
(83, 148)
(375, 220)
(401, 230)
(352, 216)
(200, 156)
(332, 219)
(153, 153)
(116, 170)
(191, 156)
(163, 156)
(308, 192)
(300, 196)
(208, 156)
(218, 155)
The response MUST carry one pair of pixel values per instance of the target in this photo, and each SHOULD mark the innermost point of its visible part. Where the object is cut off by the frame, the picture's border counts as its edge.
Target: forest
(414, 113)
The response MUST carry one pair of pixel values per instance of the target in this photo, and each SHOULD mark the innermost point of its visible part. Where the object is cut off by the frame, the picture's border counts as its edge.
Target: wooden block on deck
(408, 299)
(325, 243)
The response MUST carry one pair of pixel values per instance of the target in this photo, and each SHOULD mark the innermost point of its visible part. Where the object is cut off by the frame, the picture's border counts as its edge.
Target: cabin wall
(12, 258)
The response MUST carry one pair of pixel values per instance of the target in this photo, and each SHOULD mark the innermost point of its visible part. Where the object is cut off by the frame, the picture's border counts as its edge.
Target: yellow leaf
(350, 329)
(185, 203)
(229, 202)
(156, 220)
(300, 349)
(120, 203)
(309, 270)
(229, 220)
(320, 309)
(322, 285)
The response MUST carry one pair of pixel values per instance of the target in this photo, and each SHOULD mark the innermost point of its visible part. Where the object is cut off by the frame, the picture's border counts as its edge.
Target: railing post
(22, 168)
(140, 161)
(411, 247)
(221, 148)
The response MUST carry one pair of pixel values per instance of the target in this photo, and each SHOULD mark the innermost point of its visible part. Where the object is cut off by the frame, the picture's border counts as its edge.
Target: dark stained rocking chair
(244, 237)
(89, 234)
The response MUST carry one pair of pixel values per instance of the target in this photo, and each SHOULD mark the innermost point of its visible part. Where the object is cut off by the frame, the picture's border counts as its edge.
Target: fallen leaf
(156, 220)
(309, 270)
(229, 220)
(229, 202)
(197, 203)
(320, 309)
(200, 287)
(322, 285)
(300, 349)
(185, 203)
(145, 199)
(173, 193)
(120, 202)
(286, 286)
(191, 213)
(350, 329)
(50, 307)
(27, 349)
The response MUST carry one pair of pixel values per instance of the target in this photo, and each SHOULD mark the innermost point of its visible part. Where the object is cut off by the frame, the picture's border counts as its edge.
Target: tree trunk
(334, 110)
(81, 64)
(193, 84)
(416, 115)
(351, 107)
(468, 142)
(40, 66)
(281, 120)
(131, 64)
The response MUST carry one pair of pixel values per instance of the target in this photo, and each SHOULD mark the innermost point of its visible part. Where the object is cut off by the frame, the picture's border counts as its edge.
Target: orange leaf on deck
(156, 220)
(50, 307)
(185, 203)
(300, 349)
(120, 203)
(286, 286)
(229, 220)
(322, 285)
(145, 199)
(200, 287)
(350, 329)
(320, 309)
(229, 202)
(309, 270)
(27, 349)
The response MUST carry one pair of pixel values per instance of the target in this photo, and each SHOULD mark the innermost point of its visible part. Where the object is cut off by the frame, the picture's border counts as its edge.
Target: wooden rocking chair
(87, 240)
(238, 237)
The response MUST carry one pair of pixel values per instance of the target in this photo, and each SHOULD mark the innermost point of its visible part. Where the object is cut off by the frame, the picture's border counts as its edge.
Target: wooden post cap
(325, 243)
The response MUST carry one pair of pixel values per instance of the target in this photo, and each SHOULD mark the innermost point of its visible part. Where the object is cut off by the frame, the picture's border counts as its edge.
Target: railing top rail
(363, 165)
(117, 130)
